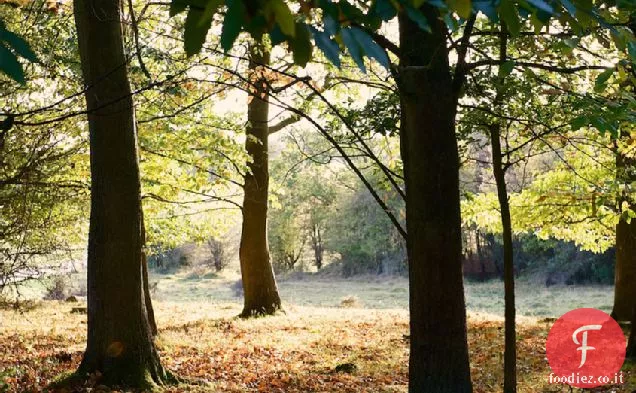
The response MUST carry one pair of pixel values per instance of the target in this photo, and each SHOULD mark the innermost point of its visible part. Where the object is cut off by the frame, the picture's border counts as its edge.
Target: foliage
(12, 46)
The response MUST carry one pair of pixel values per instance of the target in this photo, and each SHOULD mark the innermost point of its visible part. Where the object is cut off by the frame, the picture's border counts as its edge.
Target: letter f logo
(583, 344)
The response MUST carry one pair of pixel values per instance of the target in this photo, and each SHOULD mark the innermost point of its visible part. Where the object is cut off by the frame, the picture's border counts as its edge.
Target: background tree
(259, 285)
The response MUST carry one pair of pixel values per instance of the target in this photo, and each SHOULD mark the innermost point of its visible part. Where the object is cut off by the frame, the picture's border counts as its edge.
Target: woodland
(312, 195)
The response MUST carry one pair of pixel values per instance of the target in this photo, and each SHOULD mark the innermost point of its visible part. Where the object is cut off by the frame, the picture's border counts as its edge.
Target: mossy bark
(120, 343)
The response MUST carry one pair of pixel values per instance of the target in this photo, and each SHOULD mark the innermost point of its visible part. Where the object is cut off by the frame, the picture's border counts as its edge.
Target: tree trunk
(625, 271)
(510, 351)
(439, 351)
(120, 339)
(259, 285)
(146, 286)
(631, 344)
(499, 172)
(316, 242)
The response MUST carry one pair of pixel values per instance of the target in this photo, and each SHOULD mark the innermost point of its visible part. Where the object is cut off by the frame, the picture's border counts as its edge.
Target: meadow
(327, 322)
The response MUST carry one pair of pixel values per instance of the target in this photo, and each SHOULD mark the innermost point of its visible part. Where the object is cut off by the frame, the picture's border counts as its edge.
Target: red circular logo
(585, 349)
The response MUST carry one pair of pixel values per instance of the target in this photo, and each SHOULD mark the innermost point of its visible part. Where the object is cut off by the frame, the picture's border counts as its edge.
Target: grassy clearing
(297, 351)
(377, 292)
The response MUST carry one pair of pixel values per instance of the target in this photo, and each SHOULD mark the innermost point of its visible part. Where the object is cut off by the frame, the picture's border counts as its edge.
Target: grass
(200, 336)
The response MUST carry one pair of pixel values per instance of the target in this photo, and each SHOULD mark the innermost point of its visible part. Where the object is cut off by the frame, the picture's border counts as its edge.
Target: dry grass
(293, 352)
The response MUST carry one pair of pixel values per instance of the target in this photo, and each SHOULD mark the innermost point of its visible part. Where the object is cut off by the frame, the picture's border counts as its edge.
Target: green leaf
(354, 48)
(384, 9)
(579, 122)
(277, 36)
(567, 4)
(488, 7)
(542, 5)
(211, 8)
(283, 16)
(462, 7)
(10, 65)
(328, 46)
(177, 7)
(370, 47)
(508, 13)
(19, 45)
(506, 68)
(301, 45)
(196, 30)
(232, 24)
(601, 80)
(418, 17)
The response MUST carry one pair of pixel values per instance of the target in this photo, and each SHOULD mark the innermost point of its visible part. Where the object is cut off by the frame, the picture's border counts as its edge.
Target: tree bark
(631, 344)
(625, 271)
(259, 285)
(146, 286)
(499, 172)
(120, 338)
(439, 351)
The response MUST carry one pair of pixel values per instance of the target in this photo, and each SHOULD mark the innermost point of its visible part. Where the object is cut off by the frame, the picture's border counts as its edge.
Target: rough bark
(499, 172)
(631, 344)
(625, 270)
(625, 273)
(146, 286)
(259, 285)
(120, 339)
(439, 350)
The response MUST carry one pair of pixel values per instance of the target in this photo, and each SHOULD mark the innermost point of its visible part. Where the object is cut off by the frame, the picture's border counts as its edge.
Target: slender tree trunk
(510, 351)
(499, 171)
(120, 338)
(438, 360)
(259, 284)
(316, 241)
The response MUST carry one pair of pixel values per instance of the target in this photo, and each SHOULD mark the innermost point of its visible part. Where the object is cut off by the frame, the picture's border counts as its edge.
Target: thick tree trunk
(120, 344)
(625, 273)
(499, 172)
(631, 344)
(439, 351)
(259, 285)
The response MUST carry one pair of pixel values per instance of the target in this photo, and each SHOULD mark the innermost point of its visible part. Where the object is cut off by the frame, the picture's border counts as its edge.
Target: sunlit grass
(297, 351)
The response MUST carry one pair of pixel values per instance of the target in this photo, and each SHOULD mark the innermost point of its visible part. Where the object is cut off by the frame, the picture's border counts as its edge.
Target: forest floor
(327, 322)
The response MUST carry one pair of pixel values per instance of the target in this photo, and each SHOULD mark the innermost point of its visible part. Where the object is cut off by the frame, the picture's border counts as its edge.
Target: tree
(259, 285)
(439, 350)
(624, 287)
(120, 338)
